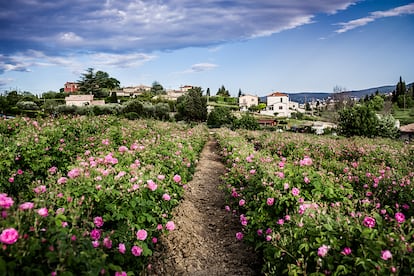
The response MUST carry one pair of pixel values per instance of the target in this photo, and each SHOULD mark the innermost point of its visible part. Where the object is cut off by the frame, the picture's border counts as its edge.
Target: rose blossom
(43, 212)
(98, 221)
(399, 217)
(136, 250)
(9, 236)
(26, 206)
(170, 226)
(166, 197)
(95, 234)
(141, 234)
(323, 250)
(369, 222)
(151, 185)
(5, 201)
(121, 248)
(346, 251)
(239, 236)
(295, 191)
(386, 255)
(270, 201)
(177, 178)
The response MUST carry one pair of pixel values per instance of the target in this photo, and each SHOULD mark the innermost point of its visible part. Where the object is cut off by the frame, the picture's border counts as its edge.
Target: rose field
(315, 205)
(95, 195)
(90, 195)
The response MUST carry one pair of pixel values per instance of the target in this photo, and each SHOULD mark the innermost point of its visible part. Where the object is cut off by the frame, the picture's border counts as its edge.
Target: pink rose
(399, 217)
(9, 236)
(386, 255)
(369, 222)
(43, 212)
(170, 226)
(98, 221)
(270, 201)
(136, 250)
(151, 185)
(323, 250)
(239, 236)
(95, 234)
(26, 206)
(141, 234)
(177, 178)
(166, 197)
(346, 251)
(121, 248)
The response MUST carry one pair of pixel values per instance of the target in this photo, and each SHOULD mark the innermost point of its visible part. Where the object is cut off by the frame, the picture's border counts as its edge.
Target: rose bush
(101, 209)
(320, 205)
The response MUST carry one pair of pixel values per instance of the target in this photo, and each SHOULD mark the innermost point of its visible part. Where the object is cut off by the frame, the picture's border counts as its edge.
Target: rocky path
(204, 242)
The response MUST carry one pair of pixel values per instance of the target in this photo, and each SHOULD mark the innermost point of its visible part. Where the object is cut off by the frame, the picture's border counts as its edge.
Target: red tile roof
(277, 94)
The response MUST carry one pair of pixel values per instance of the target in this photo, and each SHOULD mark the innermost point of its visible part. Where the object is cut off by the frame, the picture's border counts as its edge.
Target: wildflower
(346, 251)
(166, 197)
(227, 208)
(154, 240)
(64, 224)
(141, 234)
(95, 244)
(122, 149)
(9, 236)
(306, 161)
(239, 236)
(270, 201)
(280, 221)
(268, 238)
(286, 186)
(98, 221)
(170, 226)
(11, 179)
(121, 248)
(74, 173)
(399, 217)
(306, 180)
(136, 250)
(43, 212)
(40, 189)
(242, 202)
(323, 250)
(386, 255)
(369, 222)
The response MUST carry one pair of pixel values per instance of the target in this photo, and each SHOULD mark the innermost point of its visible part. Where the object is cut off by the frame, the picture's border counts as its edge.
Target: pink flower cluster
(5, 201)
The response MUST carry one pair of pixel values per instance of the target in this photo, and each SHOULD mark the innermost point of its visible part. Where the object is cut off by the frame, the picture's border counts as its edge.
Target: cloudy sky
(257, 46)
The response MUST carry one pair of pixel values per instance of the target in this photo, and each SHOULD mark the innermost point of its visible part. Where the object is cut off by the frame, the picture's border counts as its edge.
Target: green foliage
(192, 106)
(97, 83)
(376, 103)
(157, 89)
(220, 116)
(247, 121)
(359, 120)
(223, 92)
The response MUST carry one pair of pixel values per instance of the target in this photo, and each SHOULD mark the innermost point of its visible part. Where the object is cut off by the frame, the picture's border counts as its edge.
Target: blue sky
(257, 46)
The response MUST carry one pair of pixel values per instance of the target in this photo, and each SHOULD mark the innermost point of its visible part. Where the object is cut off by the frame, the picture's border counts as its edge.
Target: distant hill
(302, 97)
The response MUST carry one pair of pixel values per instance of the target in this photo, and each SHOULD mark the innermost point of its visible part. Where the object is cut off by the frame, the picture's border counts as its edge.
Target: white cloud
(200, 67)
(402, 10)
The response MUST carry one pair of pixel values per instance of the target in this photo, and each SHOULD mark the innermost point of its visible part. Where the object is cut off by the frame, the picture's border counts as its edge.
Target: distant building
(185, 88)
(133, 91)
(71, 87)
(173, 95)
(246, 101)
(82, 100)
(277, 103)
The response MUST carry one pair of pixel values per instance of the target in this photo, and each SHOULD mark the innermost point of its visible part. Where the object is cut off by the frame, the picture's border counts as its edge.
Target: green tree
(377, 103)
(400, 90)
(192, 106)
(113, 98)
(240, 93)
(359, 120)
(247, 121)
(223, 92)
(220, 116)
(97, 84)
(157, 89)
(208, 92)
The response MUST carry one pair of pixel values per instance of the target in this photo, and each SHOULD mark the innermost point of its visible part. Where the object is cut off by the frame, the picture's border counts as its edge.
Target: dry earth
(204, 242)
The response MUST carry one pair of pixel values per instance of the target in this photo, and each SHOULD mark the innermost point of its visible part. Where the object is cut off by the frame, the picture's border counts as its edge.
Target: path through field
(204, 242)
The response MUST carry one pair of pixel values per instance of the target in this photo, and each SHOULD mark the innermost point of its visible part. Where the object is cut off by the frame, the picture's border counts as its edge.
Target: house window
(270, 107)
(281, 100)
(280, 107)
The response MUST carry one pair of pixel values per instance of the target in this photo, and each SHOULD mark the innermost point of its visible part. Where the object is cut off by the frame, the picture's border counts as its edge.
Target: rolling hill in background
(302, 97)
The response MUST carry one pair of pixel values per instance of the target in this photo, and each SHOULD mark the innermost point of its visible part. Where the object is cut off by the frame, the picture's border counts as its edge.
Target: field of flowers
(322, 205)
(90, 195)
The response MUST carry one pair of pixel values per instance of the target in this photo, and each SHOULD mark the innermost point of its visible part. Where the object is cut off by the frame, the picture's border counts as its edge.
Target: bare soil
(204, 241)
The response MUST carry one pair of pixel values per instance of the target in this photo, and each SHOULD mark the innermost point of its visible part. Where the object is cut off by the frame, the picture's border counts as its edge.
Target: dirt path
(204, 242)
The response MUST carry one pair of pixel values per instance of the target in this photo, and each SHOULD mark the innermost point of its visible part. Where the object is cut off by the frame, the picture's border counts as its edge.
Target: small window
(280, 107)
(281, 100)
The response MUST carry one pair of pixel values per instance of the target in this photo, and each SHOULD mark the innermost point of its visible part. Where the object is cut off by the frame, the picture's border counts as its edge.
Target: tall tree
(208, 92)
(192, 106)
(157, 88)
(97, 84)
(240, 93)
(223, 92)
